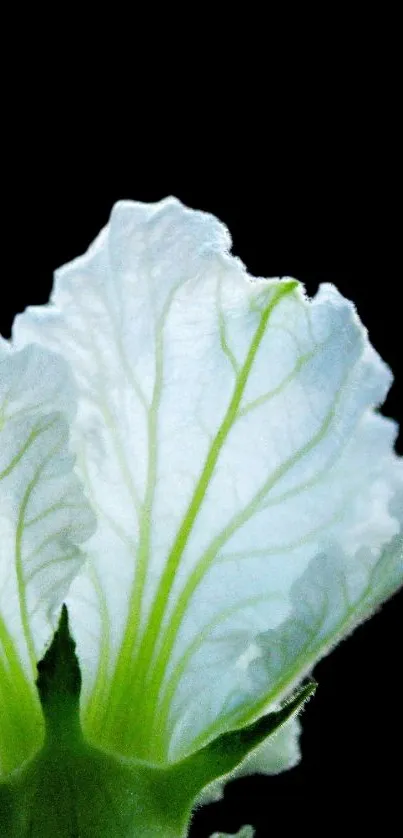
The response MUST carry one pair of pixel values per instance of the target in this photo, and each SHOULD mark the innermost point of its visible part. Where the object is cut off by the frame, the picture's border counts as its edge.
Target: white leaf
(227, 439)
(43, 518)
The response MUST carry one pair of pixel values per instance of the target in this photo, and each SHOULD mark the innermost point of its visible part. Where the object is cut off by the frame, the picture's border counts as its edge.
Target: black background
(350, 774)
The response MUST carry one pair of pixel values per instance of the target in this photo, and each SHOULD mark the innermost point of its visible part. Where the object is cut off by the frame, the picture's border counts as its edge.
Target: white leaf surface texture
(43, 519)
(246, 490)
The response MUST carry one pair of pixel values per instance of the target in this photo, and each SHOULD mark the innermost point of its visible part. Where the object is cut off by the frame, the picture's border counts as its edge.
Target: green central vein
(147, 646)
(157, 669)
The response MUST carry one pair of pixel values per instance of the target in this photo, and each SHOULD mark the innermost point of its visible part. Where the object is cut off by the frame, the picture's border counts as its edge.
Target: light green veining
(133, 669)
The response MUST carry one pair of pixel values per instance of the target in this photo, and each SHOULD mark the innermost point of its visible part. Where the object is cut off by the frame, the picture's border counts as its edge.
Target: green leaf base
(82, 793)
(73, 790)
